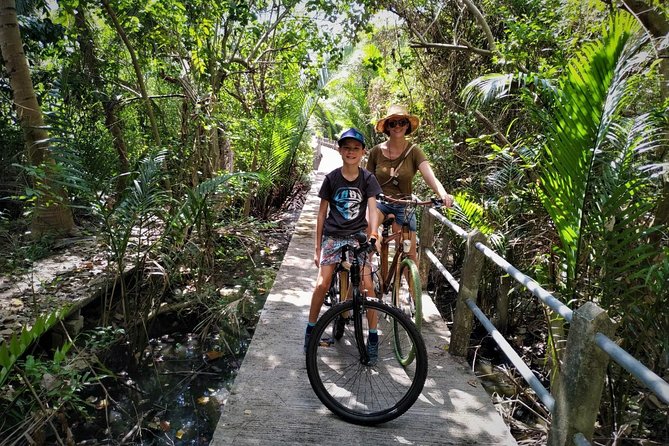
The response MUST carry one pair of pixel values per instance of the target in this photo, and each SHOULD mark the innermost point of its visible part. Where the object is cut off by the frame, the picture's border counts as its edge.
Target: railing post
(425, 240)
(469, 288)
(581, 380)
(502, 304)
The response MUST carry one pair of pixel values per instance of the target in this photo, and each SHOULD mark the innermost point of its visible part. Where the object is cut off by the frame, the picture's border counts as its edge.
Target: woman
(395, 163)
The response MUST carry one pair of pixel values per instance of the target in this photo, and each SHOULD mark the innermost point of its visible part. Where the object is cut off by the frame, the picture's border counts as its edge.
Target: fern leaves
(17, 345)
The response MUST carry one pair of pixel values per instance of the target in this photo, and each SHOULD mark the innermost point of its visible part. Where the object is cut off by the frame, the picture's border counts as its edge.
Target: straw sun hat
(398, 111)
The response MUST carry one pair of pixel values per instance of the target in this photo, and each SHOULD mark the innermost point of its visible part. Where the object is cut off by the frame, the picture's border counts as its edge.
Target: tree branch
(447, 46)
(138, 70)
(269, 31)
(482, 23)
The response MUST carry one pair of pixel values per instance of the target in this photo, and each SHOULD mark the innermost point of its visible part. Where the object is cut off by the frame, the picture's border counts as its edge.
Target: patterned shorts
(331, 249)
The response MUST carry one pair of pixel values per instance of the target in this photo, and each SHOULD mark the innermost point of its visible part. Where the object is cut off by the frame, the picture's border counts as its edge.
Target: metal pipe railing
(442, 269)
(521, 278)
(647, 377)
(651, 380)
(528, 282)
(455, 228)
(515, 359)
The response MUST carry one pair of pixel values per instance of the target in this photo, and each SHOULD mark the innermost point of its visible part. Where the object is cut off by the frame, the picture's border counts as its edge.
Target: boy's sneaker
(372, 352)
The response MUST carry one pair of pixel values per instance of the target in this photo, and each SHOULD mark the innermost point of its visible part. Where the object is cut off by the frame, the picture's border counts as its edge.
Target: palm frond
(590, 97)
(470, 214)
(506, 171)
(326, 121)
(352, 109)
(623, 211)
(492, 87)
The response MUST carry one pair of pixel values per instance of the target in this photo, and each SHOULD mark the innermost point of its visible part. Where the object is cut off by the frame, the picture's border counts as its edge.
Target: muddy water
(174, 398)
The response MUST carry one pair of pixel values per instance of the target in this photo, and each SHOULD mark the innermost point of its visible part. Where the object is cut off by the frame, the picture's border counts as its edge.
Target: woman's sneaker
(340, 324)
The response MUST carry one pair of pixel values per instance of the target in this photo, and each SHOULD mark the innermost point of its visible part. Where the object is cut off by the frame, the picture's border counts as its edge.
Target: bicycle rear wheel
(407, 297)
(360, 393)
(338, 289)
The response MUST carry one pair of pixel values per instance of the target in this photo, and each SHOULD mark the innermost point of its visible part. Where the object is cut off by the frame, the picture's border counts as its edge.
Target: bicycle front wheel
(407, 297)
(358, 392)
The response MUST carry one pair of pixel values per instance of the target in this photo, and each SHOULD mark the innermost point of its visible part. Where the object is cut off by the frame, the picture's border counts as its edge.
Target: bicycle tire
(407, 297)
(359, 393)
(339, 282)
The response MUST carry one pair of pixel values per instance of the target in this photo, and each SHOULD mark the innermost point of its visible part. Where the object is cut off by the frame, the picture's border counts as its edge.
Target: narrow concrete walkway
(272, 403)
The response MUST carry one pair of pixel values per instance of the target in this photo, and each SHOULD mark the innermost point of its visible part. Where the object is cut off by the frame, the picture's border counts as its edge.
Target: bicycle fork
(358, 313)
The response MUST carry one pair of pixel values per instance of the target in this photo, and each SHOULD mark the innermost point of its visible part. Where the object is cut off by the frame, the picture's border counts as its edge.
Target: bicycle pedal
(326, 342)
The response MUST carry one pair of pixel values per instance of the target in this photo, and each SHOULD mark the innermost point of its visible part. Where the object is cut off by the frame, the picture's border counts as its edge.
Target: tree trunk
(138, 70)
(52, 212)
(109, 105)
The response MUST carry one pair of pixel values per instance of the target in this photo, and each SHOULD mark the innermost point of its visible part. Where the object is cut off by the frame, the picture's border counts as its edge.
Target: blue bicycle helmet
(354, 134)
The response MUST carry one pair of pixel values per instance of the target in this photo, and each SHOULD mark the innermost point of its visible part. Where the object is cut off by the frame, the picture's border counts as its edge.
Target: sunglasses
(401, 123)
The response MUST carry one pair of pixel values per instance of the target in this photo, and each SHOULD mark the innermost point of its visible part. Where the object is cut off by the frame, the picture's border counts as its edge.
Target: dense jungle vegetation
(174, 131)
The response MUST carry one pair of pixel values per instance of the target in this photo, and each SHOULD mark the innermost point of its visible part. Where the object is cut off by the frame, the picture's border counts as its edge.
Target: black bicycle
(340, 371)
(338, 291)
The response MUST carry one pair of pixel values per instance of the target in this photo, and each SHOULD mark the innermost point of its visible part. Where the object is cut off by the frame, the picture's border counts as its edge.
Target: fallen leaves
(212, 355)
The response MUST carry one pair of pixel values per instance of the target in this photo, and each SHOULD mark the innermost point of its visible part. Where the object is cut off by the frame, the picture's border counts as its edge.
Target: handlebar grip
(360, 238)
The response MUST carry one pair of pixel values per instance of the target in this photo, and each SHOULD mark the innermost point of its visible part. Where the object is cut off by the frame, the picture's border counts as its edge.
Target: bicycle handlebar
(434, 201)
(364, 246)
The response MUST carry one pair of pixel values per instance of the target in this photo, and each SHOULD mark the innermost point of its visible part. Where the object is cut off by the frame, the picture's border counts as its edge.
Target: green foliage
(593, 181)
(43, 385)
(191, 232)
(469, 214)
(18, 344)
(351, 108)
(279, 152)
(585, 139)
(589, 99)
(144, 201)
(530, 38)
(326, 123)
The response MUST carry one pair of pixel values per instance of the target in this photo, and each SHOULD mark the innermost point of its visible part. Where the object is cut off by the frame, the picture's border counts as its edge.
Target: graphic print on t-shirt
(348, 200)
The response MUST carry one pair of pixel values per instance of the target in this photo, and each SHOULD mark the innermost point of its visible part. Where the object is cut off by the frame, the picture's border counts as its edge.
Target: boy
(347, 192)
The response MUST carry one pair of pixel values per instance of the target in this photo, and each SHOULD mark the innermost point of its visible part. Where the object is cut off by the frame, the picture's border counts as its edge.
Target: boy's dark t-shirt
(348, 201)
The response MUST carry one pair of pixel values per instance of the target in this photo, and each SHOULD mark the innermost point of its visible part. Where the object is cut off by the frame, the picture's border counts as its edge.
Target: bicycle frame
(353, 271)
(402, 237)
(388, 272)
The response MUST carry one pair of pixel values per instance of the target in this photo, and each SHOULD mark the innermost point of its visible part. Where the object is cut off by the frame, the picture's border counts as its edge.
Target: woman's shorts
(331, 249)
(398, 210)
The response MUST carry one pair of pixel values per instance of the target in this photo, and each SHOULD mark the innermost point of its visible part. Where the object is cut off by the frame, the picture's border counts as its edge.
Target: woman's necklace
(389, 153)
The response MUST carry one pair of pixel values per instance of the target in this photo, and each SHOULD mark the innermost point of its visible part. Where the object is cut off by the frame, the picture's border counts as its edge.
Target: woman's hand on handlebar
(447, 199)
